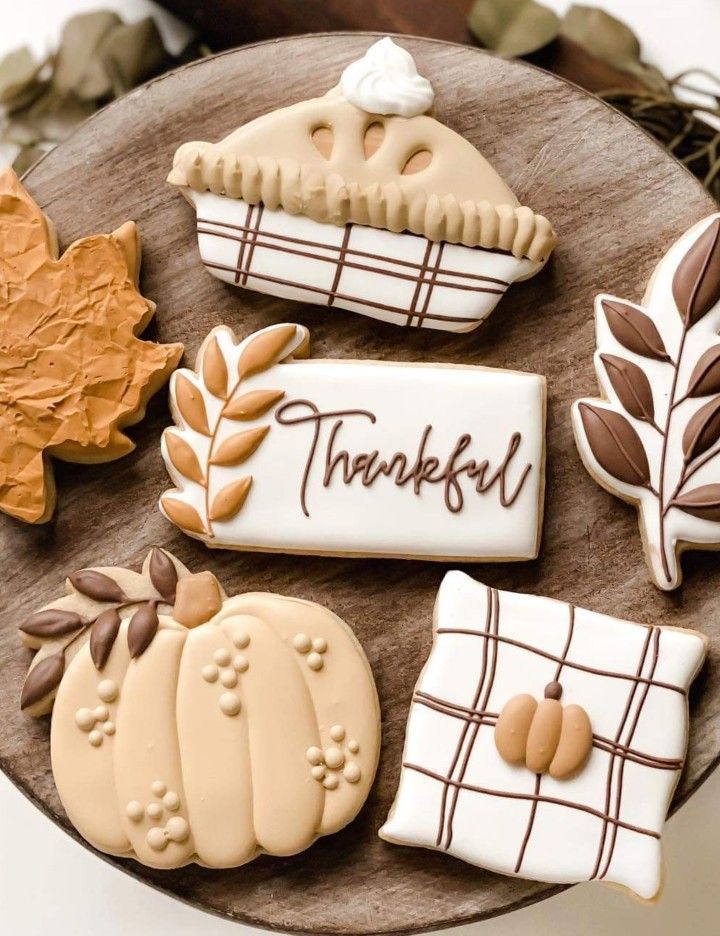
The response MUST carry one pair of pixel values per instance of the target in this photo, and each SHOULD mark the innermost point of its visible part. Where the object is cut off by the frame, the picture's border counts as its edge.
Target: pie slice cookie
(362, 200)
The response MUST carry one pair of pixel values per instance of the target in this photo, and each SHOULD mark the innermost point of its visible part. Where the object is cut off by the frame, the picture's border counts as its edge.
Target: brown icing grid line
(343, 256)
(619, 748)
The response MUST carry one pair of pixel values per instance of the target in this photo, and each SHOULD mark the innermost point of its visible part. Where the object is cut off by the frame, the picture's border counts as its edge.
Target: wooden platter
(617, 200)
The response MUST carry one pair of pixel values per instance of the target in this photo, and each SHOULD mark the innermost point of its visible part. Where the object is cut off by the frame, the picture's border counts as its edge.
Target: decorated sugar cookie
(189, 726)
(654, 437)
(272, 451)
(364, 201)
(73, 373)
(545, 741)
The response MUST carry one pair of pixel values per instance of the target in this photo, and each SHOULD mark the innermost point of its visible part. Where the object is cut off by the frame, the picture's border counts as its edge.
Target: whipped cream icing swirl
(385, 81)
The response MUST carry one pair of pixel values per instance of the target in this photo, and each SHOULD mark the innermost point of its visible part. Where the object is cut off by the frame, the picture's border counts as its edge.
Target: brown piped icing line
(250, 236)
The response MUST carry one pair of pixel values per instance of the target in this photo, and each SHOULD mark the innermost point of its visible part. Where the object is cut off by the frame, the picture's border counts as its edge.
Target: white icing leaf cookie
(571, 787)
(654, 438)
(362, 200)
(276, 453)
(189, 726)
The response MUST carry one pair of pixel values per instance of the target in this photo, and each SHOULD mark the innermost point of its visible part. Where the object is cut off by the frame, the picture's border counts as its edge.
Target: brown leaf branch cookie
(654, 437)
(189, 726)
(73, 373)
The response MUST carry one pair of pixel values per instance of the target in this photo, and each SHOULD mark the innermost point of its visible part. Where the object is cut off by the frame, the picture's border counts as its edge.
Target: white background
(49, 884)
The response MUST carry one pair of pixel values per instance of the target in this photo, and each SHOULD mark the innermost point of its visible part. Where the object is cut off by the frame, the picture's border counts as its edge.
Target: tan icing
(574, 745)
(146, 743)
(84, 774)
(513, 727)
(343, 692)
(149, 762)
(544, 734)
(457, 196)
(219, 801)
(197, 599)
(279, 710)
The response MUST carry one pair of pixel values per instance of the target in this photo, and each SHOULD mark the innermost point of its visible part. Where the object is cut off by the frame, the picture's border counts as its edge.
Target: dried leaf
(19, 72)
(130, 54)
(214, 370)
(191, 404)
(634, 330)
(265, 349)
(183, 457)
(78, 69)
(253, 404)
(239, 447)
(615, 444)
(52, 623)
(103, 635)
(512, 27)
(611, 41)
(696, 284)
(702, 430)
(183, 515)
(230, 499)
(632, 386)
(142, 628)
(97, 585)
(163, 574)
(702, 502)
(69, 347)
(42, 679)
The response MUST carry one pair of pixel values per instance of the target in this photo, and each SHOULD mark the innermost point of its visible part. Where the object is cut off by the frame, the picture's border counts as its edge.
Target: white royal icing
(477, 413)
(296, 257)
(666, 530)
(508, 823)
(385, 81)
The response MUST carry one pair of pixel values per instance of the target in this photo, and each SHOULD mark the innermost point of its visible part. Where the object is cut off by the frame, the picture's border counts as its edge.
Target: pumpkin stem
(553, 690)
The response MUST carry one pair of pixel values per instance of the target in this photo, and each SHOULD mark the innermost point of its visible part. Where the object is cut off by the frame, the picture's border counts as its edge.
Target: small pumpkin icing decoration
(192, 727)
(502, 767)
(361, 199)
(73, 371)
(545, 737)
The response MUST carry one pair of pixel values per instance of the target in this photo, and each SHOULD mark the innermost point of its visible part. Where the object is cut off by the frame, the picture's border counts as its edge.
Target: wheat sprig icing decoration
(654, 438)
(222, 367)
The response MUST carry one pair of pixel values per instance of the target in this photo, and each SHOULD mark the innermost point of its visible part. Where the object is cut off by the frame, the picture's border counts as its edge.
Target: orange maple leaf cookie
(73, 373)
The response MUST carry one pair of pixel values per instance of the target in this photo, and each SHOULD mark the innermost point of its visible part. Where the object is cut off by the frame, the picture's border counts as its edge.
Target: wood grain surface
(617, 201)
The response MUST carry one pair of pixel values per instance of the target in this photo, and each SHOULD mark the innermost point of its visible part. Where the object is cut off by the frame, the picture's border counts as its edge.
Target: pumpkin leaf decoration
(52, 623)
(42, 679)
(103, 635)
(91, 613)
(60, 317)
(97, 585)
(142, 628)
(660, 422)
(163, 575)
(211, 401)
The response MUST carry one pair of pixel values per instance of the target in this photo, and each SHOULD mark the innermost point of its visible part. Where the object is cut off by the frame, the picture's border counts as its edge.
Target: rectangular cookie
(360, 458)
(545, 741)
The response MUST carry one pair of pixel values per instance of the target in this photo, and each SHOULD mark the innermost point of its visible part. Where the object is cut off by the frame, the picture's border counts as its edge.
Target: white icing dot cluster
(176, 828)
(97, 722)
(226, 669)
(312, 648)
(326, 766)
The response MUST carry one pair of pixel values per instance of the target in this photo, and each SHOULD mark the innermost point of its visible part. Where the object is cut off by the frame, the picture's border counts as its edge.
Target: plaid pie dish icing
(459, 794)
(362, 200)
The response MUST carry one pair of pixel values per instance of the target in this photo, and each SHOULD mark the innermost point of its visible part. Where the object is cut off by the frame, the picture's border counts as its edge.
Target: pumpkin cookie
(73, 373)
(545, 741)
(189, 726)
(362, 200)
